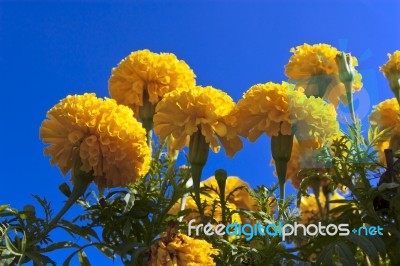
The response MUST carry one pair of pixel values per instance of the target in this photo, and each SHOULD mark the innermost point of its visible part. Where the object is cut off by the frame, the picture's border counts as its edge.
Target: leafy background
(49, 50)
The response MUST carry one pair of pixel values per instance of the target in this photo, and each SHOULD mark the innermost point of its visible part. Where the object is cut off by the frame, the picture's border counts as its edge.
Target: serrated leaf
(83, 259)
(366, 245)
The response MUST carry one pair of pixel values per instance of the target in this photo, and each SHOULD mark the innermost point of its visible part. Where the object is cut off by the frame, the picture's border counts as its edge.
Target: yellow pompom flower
(387, 115)
(278, 109)
(146, 76)
(309, 209)
(183, 112)
(391, 70)
(314, 65)
(182, 250)
(104, 135)
(393, 65)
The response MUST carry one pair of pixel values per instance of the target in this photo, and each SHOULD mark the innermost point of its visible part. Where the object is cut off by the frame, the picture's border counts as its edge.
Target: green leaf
(10, 246)
(346, 256)
(40, 259)
(105, 250)
(6, 258)
(4, 207)
(83, 259)
(379, 245)
(60, 245)
(366, 245)
(326, 256)
(386, 186)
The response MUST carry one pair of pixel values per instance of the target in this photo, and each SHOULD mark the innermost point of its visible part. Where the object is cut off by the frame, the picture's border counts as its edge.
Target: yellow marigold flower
(147, 74)
(182, 250)
(387, 115)
(309, 208)
(309, 62)
(393, 65)
(183, 112)
(105, 136)
(279, 109)
(391, 70)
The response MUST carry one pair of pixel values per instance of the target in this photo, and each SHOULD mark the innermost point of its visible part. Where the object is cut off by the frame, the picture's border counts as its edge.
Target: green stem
(328, 197)
(196, 170)
(281, 168)
(81, 184)
(350, 101)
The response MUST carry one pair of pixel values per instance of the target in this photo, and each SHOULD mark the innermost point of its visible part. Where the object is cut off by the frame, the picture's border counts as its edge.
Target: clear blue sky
(49, 50)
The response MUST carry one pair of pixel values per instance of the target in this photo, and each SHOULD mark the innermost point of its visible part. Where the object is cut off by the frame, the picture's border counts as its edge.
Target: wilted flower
(182, 250)
(104, 135)
(314, 68)
(184, 112)
(147, 76)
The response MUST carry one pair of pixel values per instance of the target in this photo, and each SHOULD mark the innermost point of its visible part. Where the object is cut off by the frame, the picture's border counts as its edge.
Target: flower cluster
(183, 112)
(145, 75)
(182, 250)
(103, 134)
(314, 68)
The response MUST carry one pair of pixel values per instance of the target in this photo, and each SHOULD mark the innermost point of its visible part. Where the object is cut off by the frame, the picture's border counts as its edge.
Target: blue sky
(49, 50)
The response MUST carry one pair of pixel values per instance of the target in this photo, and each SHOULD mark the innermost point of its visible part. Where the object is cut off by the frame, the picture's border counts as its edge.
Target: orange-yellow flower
(384, 116)
(182, 250)
(392, 65)
(279, 109)
(103, 134)
(313, 64)
(144, 74)
(183, 112)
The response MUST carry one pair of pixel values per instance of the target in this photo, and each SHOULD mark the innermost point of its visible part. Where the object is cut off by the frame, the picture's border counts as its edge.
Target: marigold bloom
(309, 208)
(105, 136)
(279, 109)
(144, 72)
(183, 112)
(311, 62)
(392, 65)
(391, 70)
(387, 115)
(182, 250)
